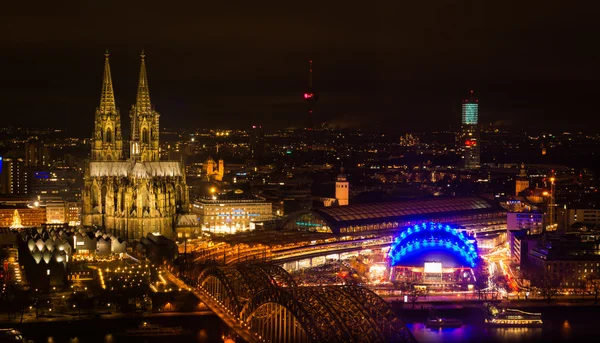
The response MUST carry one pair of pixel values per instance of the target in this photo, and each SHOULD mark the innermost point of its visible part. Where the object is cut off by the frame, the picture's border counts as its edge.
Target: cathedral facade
(134, 196)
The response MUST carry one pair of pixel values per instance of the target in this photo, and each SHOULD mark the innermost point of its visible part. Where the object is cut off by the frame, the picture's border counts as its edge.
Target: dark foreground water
(200, 329)
(562, 324)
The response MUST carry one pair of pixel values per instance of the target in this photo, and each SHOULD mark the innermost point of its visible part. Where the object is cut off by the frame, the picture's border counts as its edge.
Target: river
(561, 324)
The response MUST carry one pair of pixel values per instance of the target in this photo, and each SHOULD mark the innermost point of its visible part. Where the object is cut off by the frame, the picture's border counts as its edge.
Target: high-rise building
(136, 196)
(14, 179)
(470, 132)
(36, 154)
(342, 189)
(257, 141)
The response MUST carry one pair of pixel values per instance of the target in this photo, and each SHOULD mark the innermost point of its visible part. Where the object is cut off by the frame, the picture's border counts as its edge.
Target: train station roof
(421, 209)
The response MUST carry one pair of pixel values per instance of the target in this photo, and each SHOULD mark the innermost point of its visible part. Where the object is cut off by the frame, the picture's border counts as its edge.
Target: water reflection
(202, 335)
(108, 338)
(425, 334)
(470, 333)
(515, 334)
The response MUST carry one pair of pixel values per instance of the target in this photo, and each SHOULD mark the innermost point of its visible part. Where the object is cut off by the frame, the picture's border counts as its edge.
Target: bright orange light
(552, 179)
(545, 194)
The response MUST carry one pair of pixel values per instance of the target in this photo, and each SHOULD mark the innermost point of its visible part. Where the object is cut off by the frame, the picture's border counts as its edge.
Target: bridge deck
(230, 321)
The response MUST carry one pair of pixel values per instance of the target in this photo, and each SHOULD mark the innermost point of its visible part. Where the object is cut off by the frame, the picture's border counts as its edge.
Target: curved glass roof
(403, 208)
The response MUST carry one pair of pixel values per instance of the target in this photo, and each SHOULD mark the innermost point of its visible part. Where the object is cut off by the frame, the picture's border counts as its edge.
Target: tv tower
(310, 96)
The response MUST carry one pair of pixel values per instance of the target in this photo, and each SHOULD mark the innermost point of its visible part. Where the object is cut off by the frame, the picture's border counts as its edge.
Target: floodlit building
(233, 213)
(21, 216)
(136, 196)
(522, 181)
(214, 171)
(342, 189)
(57, 212)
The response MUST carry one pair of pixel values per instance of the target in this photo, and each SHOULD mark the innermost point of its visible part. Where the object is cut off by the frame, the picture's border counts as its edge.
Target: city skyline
(249, 66)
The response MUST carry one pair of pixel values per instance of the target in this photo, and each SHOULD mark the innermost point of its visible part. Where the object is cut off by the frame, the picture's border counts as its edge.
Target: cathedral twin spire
(107, 143)
(107, 98)
(142, 101)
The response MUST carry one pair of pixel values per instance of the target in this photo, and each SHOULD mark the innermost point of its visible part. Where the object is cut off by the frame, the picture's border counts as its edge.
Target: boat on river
(152, 330)
(438, 322)
(507, 317)
(10, 335)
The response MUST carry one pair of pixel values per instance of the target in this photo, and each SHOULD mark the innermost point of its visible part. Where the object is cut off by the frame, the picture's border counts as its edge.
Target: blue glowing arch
(433, 235)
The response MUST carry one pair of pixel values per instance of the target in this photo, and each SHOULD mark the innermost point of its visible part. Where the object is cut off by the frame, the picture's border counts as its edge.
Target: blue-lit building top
(470, 110)
(421, 242)
(470, 132)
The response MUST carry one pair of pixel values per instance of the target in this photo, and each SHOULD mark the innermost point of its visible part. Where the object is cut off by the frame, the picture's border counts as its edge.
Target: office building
(14, 179)
(470, 132)
(577, 218)
(533, 222)
(257, 141)
(572, 259)
(36, 154)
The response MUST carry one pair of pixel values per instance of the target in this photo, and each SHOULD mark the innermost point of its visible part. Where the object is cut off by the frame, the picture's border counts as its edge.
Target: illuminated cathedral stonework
(136, 196)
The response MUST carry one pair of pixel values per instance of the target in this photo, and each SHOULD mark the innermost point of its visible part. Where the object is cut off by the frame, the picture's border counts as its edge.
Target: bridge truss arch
(267, 301)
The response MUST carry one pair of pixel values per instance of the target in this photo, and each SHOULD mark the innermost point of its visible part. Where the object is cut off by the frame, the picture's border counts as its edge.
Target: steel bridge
(263, 300)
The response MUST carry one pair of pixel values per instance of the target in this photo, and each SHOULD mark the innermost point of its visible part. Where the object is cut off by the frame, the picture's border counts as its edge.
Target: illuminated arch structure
(423, 238)
(266, 300)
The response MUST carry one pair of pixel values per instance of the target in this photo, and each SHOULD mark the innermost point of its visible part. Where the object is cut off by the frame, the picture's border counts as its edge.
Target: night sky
(398, 64)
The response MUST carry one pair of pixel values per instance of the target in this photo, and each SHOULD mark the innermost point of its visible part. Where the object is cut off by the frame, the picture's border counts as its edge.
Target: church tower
(522, 182)
(144, 122)
(342, 189)
(107, 143)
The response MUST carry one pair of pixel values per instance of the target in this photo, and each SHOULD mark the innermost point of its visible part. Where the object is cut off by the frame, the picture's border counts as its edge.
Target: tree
(547, 283)
(583, 288)
(414, 294)
(593, 287)
(482, 277)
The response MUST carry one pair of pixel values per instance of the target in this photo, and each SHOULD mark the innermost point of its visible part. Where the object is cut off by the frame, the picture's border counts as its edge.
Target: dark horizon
(407, 66)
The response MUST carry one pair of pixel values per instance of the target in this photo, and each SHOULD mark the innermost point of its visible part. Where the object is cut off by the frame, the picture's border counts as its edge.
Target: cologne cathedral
(134, 196)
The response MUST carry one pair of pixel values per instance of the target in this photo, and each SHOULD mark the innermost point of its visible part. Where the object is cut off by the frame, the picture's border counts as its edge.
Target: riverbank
(201, 327)
(30, 318)
(537, 303)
